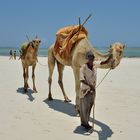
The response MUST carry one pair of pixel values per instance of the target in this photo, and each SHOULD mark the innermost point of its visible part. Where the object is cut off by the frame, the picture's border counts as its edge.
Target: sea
(43, 52)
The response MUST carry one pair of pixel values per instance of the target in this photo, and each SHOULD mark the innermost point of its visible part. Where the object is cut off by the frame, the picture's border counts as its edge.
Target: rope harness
(103, 78)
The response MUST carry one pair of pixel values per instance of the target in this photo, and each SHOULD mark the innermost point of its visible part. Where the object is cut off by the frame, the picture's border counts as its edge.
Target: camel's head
(36, 42)
(117, 49)
(116, 54)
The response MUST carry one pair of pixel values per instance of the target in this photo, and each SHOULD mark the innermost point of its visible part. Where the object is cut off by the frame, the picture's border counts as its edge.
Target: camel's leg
(76, 71)
(60, 81)
(26, 76)
(33, 77)
(51, 64)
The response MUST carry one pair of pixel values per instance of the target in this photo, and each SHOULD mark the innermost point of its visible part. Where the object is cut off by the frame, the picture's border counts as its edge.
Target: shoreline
(128, 52)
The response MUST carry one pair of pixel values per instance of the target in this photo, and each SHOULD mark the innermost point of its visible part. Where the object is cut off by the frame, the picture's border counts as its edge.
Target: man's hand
(92, 87)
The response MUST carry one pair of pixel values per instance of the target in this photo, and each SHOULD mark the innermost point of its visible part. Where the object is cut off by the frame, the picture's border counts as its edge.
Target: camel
(29, 58)
(109, 60)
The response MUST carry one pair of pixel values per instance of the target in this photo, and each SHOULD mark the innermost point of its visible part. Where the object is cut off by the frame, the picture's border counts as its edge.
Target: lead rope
(91, 130)
(103, 78)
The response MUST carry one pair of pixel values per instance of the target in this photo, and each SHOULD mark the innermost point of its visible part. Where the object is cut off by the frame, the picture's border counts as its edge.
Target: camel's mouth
(107, 60)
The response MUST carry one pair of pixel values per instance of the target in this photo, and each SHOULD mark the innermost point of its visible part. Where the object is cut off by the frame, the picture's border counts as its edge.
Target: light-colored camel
(77, 59)
(29, 58)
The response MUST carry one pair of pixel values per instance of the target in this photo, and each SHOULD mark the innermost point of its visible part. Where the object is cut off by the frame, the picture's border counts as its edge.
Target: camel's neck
(106, 59)
(111, 62)
(103, 57)
(98, 55)
(31, 52)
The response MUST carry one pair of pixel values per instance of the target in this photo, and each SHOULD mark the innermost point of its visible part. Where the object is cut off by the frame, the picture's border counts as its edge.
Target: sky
(111, 21)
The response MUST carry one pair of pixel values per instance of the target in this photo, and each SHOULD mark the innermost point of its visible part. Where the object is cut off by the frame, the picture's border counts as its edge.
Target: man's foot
(86, 126)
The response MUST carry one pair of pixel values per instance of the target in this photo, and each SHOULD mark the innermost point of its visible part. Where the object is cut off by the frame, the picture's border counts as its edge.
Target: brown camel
(77, 59)
(29, 58)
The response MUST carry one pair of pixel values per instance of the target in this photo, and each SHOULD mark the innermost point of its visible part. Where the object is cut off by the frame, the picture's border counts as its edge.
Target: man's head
(90, 56)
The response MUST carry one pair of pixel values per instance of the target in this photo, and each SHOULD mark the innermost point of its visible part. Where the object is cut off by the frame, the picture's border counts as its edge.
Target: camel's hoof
(50, 98)
(67, 100)
(35, 91)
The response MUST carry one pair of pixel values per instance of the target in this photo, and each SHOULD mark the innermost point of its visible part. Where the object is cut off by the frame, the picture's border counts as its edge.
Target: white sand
(28, 117)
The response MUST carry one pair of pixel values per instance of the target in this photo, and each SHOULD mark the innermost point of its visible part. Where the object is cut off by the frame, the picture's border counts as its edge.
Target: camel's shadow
(61, 106)
(29, 93)
(68, 108)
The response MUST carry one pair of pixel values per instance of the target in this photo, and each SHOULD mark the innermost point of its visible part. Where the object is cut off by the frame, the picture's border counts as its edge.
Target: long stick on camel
(80, 26)
(79, 21)
(27, 38)
(86, 19)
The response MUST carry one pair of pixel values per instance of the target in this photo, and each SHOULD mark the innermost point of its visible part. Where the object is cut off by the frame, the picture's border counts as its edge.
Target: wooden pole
(27, 38)
(86, 19)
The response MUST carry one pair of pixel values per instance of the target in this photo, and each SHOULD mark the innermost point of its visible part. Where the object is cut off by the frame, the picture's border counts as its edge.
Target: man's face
(90, 58)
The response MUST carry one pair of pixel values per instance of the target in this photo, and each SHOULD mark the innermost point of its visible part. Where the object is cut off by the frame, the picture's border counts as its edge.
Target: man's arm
(86, 83)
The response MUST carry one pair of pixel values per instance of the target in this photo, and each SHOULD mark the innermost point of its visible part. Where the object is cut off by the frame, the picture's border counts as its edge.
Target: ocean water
(4, 51)
(128, 52)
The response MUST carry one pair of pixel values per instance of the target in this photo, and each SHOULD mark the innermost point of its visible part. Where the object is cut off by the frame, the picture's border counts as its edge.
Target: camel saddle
(23, 48)
(66, 38)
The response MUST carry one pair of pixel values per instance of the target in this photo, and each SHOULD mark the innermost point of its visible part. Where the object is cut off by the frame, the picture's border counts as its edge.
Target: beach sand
(31, 117)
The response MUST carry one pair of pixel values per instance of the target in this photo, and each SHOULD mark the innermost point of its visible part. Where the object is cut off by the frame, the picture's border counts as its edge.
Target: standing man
(88, 83)
(15, 55)
(10, 54)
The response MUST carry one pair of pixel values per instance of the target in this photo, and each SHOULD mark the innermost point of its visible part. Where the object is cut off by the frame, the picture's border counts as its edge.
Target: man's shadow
(69, 109)
(29, 93)
(105, 132)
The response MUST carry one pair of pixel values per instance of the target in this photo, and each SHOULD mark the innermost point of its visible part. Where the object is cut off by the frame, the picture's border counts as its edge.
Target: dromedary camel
(29, 58)
(77, 59)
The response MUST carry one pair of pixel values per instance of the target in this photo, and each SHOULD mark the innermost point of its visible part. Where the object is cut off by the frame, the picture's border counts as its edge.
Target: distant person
(88, 92)
(10, 54)
(20, 54)
(15, 55)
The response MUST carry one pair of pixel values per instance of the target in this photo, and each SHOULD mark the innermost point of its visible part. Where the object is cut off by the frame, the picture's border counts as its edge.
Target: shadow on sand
(29, 93)
(105, 132)
(68, 108)
(61, 106)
